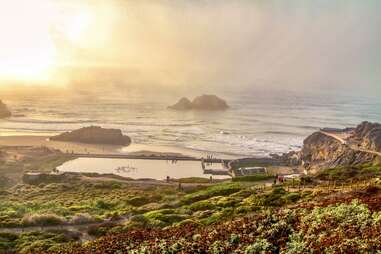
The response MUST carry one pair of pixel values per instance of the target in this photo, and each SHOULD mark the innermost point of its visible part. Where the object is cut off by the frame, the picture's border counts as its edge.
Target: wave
(149, 124)
(282, 133)
(37, 121)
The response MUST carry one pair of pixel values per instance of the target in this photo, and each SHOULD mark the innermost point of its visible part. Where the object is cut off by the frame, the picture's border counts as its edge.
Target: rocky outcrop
(203, 102)
(321, 151)
(4, 111)
(368, 135)
(325, 151)
(209, 102)
(182, 104)
(94, 135)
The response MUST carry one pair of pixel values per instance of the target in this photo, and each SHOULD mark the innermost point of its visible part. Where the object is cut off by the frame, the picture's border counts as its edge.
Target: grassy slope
(252, 219)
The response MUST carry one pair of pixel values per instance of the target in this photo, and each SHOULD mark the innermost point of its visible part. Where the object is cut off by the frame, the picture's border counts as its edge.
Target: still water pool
(138, 169)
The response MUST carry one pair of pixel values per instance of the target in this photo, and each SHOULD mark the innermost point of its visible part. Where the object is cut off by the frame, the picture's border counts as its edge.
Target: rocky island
(4, 111)
(94, 135)
(203, 102)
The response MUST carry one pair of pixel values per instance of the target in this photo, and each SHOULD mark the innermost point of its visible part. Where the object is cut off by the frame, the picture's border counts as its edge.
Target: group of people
(172, 161)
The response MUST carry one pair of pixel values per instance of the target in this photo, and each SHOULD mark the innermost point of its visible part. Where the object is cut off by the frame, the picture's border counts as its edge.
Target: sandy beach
(133, 149)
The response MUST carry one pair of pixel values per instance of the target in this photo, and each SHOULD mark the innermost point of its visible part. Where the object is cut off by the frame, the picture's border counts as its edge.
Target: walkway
(353, 147)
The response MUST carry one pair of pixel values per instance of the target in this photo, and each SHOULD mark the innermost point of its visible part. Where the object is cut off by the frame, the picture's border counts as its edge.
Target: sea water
(256, 124)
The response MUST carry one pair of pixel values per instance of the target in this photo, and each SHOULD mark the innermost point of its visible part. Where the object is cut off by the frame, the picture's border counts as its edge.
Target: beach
(81, 148)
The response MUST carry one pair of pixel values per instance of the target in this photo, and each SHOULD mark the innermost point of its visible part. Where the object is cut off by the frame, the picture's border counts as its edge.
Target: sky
(97, 44)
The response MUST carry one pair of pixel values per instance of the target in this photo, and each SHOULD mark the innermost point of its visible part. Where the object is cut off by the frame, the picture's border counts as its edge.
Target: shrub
(42, 220)
(82, 218)
(260, 246)
(216, 190)
(138, 201)
(164, 217)
(100, 230)
(101, 204)
(202, 206)
(292, 197)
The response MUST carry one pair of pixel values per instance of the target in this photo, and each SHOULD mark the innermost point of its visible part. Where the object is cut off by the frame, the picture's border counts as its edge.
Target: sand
(135, 149)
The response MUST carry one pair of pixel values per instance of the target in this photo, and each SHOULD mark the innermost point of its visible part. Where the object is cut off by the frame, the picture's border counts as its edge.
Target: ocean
(257, 123)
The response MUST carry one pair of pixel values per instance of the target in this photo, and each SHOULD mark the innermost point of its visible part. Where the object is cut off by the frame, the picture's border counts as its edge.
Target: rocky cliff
(94, 135)
(368, 135)
(355, 146)
(203, 102)
(4, 111)
(321, 151)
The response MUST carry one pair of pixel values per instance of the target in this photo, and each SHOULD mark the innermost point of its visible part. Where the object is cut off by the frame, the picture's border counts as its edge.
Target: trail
(351, 146)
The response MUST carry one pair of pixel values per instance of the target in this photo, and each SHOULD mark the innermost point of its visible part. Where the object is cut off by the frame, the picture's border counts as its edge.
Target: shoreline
(132, 149)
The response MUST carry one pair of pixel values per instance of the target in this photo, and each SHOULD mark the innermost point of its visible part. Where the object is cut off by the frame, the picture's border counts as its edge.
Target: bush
(216, 190)
(201, 206)
(138, 201)
(260, 246)
(7, 241)
(101, 204)
(42, 220)
(82, 218)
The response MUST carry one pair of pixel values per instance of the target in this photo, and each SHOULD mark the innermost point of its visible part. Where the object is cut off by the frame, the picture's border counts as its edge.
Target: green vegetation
(354, 173)
(194, 180)
(15, 161)
(229, 217)
(215, 190)
(339, 228)
(253, 178)
(32, 242)
(62, 203)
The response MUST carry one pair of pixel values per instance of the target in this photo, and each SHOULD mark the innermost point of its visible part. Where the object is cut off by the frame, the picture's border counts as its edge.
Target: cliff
(203, 102)
(4, 111)
(94, 135)
(330, 148)
(321, 151)
(368, 135)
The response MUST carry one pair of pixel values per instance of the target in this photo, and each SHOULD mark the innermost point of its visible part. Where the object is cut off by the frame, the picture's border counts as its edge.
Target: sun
(27, 51)
(28, 46)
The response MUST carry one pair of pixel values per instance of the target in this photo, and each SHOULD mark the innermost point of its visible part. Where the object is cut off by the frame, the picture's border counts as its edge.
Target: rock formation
(94, 135)
(4, 111)
(182, 104)
(368, 135)
(323, 151)
(203, 102)
(320, 151)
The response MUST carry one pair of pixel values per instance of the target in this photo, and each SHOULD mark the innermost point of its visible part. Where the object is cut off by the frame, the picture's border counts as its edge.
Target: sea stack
(203, 102)
(183, 104)
(4, 111)
(94, 135)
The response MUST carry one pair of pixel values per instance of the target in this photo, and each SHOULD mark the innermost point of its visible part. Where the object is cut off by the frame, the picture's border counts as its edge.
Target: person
(211, 179)
(167, 179)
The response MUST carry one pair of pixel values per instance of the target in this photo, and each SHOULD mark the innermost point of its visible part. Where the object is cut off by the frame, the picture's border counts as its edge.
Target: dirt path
(353, 147)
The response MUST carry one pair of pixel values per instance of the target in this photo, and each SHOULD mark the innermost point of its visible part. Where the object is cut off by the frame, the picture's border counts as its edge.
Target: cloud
(293, 44)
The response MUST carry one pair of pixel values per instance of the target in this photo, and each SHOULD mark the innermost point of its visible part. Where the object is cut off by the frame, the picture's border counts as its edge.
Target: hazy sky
(87, 44)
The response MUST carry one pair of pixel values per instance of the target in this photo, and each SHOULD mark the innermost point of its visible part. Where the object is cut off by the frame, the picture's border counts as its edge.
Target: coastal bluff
(94, 135)
(4, 111)
(330, 148)
(203, 102)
